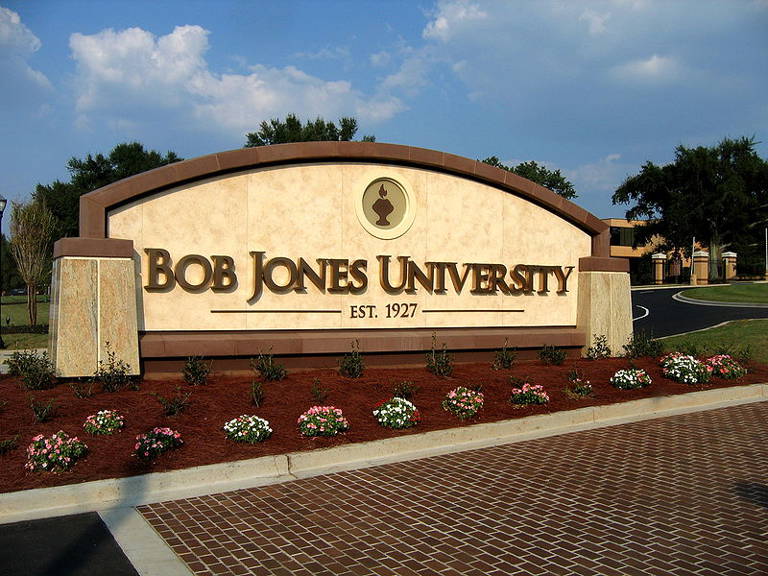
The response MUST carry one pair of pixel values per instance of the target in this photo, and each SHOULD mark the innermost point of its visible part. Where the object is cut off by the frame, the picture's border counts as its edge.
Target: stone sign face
(303, 248)
(344, 246)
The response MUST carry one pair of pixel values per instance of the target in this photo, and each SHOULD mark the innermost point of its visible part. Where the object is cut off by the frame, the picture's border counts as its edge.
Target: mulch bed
(225, 397)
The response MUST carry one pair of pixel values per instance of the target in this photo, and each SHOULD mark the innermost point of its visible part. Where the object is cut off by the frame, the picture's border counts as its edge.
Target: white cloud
(336, 53)
(595, 20)
(653, 69)
(380, 59)
(17, 45)
(604, 175)
(123, 75)
(15, 36)
(450, 15)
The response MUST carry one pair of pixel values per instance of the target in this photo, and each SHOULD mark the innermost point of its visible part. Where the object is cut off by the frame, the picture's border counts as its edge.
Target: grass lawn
(15, 308)
(748, 293)
(734, 336)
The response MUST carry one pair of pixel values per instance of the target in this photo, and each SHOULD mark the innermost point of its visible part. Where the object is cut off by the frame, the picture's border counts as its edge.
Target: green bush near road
(734, 337)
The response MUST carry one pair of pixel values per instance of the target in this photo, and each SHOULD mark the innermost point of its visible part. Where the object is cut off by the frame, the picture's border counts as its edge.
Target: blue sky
(593, 88)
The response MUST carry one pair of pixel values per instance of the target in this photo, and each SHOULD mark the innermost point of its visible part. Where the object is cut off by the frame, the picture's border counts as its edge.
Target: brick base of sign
(164, 352)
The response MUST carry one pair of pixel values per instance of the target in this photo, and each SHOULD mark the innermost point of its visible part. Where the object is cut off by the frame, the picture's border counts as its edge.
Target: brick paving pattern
(674, 496)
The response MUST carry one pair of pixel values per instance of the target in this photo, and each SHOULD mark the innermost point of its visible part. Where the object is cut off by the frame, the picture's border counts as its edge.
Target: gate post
(659, 259)
(729, 259)
(701, 266)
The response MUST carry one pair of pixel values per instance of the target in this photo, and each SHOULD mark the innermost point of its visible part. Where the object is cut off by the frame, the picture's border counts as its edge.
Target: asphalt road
(655, 311)
(79, 545)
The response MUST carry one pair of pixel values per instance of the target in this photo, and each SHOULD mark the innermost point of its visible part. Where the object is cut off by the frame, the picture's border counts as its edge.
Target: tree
(718, 194)
(291, 129)
(10, 278)
(535, 172)
(33, 227)
(92, 172)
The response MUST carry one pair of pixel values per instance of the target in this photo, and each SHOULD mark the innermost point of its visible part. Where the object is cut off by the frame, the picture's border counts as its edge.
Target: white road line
(647, 312)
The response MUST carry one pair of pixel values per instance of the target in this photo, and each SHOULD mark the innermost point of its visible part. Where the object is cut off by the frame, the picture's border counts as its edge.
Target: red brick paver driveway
(680, 495)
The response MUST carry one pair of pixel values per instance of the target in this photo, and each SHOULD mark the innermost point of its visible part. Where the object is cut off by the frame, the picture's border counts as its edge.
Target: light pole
(3, 202)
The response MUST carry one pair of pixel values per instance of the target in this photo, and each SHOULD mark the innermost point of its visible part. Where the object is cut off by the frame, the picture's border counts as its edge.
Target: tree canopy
(535, 172)
(92, 172)
(291, 129)
(32, 230)
(719, 194)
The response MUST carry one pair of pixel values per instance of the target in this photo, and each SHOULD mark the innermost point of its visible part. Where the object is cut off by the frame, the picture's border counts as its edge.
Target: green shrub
(269, 370)
(196, 371)
(439, 363)
(113, 374)
(599, 349)
(176, 404)
(35, 370)
(9, 444)
(43, 411)
(257, 393)
(552, 355)
(504, 358)
(642, 344)
(319, 394)
(352, 364)
(82, 389)
(405, 390)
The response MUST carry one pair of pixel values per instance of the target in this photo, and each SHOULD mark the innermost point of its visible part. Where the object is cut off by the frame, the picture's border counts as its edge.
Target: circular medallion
(385, 209)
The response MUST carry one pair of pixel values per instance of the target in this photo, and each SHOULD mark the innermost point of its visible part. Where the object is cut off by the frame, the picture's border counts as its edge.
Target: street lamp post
(3, 203)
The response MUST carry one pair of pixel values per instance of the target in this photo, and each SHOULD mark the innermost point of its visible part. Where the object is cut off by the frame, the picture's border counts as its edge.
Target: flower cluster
(529, 394)
(56, 452)
(322, 421)
(156, 441)
(724, 366)
(463, 402)
(397, 413)
(577, 387)
(684, 368)
(630, 379)
(245, 428)
(104, 422)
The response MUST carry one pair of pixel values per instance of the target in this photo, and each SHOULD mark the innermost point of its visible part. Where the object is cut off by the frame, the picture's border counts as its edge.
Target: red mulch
(225, 397)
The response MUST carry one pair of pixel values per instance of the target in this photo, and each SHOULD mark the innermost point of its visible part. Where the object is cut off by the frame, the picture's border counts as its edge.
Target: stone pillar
(729, 260)
(605, 303)
(701, 267)
(658, 267)
(93, 302)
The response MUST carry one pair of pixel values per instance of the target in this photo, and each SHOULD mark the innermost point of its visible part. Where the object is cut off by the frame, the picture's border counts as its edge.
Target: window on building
(622, 236)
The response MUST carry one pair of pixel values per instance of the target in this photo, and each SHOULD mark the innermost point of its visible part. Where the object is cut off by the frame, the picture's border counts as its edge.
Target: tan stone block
(605, 307)
(76, 344)
(117, 312)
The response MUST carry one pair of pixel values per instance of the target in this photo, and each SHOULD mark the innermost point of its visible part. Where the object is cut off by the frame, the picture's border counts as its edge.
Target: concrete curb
(686, 300)
(156, 487)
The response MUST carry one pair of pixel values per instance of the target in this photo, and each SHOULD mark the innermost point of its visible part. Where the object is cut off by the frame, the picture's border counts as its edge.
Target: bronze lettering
(269, 270)
(318, 279)
(357, 271)
(384, 274)
(258, 275)
(497, 281)
(181, 272)
(481, 274)
(562, 278)
(416, 274)
(453, 271)
(438, 276)
(159, 262)
(339, 274)
(224, 277)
